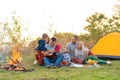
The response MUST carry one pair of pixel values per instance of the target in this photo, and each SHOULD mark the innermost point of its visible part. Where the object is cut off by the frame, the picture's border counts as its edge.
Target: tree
(116, 17)
(11, 31)
(95, 26)
(33, 44)
(63, 38)
(100, 25)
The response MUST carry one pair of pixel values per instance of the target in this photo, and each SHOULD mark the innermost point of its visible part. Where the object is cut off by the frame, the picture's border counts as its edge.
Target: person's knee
(61, 56)
(44, 58)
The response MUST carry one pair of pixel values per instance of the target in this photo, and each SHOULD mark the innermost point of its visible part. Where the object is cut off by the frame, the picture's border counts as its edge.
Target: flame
(15, 56)
(14, 62)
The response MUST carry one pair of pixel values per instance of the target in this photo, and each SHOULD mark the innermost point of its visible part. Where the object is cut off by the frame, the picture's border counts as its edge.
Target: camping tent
(108, 46)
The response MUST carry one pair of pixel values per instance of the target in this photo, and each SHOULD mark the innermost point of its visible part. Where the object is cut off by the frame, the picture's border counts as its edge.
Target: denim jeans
(55, 60)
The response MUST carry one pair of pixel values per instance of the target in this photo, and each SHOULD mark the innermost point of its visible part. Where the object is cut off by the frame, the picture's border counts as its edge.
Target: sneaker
(108, 62)
(54, 66)
(35, 62)
(48, 66)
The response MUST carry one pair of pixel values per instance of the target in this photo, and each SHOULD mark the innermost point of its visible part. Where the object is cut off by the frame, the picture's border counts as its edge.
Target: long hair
(83, 49)
(44, 36)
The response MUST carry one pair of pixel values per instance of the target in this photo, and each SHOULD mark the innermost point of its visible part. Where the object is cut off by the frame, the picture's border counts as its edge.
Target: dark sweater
(41, 45)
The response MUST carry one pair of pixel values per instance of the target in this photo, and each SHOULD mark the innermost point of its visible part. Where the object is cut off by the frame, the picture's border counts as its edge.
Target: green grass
(103, 72)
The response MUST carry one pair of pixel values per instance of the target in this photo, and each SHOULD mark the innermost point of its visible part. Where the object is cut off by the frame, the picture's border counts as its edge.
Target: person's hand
(61, 52)
(86, 51)
(50, 54)
(46, 53)
(51, 51)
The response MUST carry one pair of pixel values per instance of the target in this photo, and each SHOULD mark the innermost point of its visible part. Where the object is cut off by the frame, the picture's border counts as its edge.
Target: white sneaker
(108, 62)
(35, 62)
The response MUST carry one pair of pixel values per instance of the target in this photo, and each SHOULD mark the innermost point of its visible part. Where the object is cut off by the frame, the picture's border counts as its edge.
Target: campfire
(15, 62)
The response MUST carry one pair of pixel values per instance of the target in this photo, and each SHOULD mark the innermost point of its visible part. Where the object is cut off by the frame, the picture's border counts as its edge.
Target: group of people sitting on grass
(50, 53)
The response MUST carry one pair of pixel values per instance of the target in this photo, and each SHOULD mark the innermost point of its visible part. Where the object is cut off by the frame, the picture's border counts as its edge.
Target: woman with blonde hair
(83, 55)
(81, 52)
